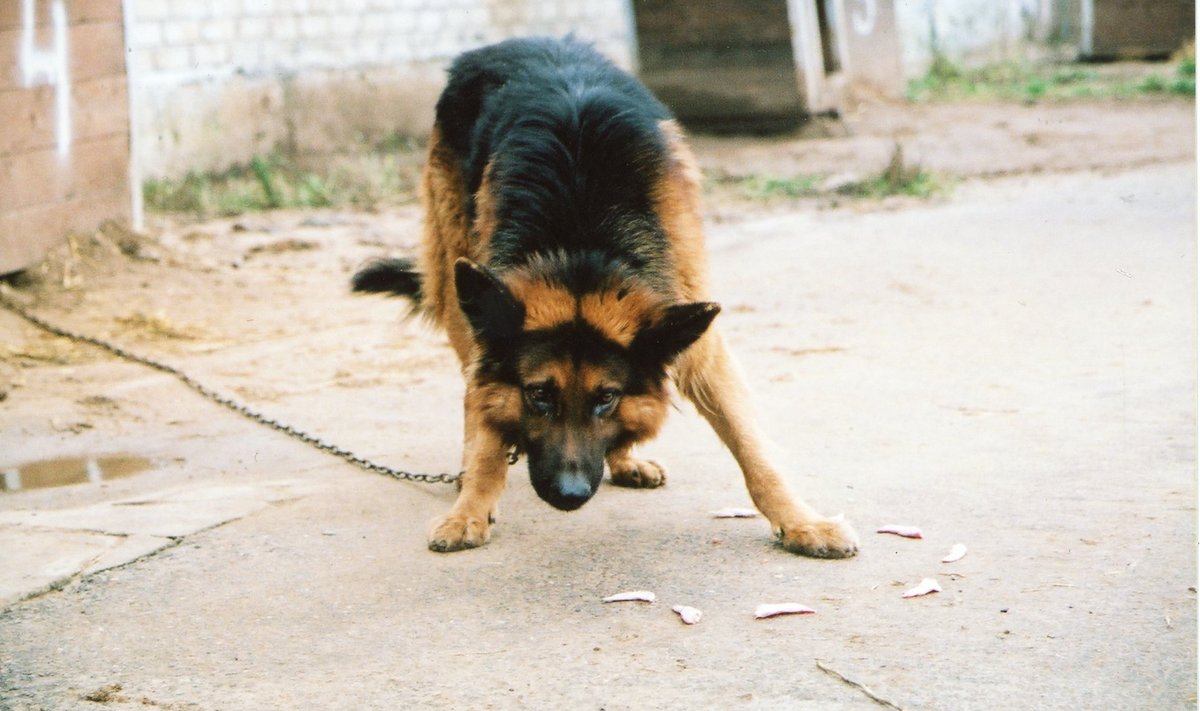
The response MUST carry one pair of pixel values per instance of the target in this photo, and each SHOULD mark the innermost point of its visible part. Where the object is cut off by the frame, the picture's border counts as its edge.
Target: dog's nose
(572, 490)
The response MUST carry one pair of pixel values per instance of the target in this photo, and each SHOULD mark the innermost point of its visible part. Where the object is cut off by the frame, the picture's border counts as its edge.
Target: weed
(898, 178)
(1030, 83)
(314, 192)
(1035, 89)
(765, 188)
(1152, 84)
(1183, 86)
(186, 195)
(1072, 75)
(364, 180)
(397, 142)
(263, 172)
(1184, 81)
(1187, 68)
(921, 184)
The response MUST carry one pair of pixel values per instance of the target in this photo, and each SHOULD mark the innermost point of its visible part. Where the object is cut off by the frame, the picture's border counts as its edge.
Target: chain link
(234, 405)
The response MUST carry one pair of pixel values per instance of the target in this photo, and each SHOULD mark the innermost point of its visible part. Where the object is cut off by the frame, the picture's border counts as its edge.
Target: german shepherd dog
(563, 256)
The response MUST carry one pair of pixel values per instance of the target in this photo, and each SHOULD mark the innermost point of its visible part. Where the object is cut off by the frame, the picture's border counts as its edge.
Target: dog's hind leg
(707, 375)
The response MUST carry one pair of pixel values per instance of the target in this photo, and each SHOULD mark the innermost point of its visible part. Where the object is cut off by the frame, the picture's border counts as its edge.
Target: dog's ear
(493, 312)
(681, 325)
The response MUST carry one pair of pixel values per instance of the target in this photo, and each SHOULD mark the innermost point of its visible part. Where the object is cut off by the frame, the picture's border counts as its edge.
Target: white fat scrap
(773, 609)
(925, 587)
(956, 553)
(632, 596)
(906, 531)
(734, 512)
(689, 615)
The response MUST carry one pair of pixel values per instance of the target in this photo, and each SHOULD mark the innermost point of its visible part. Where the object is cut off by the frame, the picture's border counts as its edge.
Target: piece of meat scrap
(688, 614)
(925, 587)
(957, 551)
(632, 596)
(768, 609)
(906, 531)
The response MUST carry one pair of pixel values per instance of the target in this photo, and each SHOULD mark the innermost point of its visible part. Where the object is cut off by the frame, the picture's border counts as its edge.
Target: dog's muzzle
(566, 490)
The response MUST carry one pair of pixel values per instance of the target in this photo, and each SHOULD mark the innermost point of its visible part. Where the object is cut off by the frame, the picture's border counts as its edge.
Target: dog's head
(571, 363)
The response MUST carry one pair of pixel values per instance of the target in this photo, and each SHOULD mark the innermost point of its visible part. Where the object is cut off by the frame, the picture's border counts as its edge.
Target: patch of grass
(364, 180)
(1035, 89)
(398, 143)
(314, 192)
(262, 171)
(762, 187)
(1074, 74)
(921, 184)
(1030, 82)
(1182, 82)
(1187, 67)
(898, 178)
(765, 188)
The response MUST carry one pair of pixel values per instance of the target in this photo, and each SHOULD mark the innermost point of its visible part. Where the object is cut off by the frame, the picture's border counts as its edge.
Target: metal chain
(232, 404)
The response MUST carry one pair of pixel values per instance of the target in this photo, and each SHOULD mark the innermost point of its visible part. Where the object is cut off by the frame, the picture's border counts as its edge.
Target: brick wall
(219, 81)
(64, 147)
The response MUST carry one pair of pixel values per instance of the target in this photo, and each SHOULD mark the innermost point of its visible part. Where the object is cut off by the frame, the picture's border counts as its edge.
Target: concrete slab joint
(44, 549)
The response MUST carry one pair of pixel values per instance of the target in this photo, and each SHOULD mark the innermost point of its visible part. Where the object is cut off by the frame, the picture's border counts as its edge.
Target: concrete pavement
(1013, 369)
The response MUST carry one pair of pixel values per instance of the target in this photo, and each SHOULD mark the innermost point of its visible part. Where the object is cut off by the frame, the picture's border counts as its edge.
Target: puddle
(70, 470)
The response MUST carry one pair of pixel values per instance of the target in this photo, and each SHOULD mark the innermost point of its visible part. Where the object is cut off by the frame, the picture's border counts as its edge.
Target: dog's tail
(391, 276)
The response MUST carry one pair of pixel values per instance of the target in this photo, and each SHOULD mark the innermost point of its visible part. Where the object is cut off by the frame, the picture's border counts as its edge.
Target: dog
(564, 257)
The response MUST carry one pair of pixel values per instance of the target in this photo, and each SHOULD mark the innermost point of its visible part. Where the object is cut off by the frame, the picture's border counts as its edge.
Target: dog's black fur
(575, 143)
(573, 139)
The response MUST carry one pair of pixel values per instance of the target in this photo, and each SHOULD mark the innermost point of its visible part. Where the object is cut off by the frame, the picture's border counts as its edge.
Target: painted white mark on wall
(40, 65)
(863, 16)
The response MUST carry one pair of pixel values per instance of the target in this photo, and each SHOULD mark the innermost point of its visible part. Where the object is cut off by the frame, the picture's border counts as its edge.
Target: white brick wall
(177, 41)
(220, 81)
(970, 31)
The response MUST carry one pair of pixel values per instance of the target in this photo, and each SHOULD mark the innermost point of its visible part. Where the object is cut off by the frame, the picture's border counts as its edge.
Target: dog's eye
(605, 401)
(540, 398)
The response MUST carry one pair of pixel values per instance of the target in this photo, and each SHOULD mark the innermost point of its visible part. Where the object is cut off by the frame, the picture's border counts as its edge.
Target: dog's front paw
(456, 532)
(639, 474)
(820, 538)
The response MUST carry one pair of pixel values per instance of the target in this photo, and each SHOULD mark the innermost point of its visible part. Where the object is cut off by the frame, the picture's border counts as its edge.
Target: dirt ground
(1010, 365)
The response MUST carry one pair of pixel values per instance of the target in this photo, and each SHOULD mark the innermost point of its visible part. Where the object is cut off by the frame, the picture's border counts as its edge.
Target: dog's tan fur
(705, 373)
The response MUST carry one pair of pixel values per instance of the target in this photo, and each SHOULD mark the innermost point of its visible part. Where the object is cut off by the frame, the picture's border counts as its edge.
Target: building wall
(64, 147)
(219, 81)
(974, 32)
(871, 46)
(721, 64)
(1136, 28)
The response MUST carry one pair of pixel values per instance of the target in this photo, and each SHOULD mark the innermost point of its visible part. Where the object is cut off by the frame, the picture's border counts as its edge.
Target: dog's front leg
(468, 523)
(626, 470)
(707, 375)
